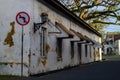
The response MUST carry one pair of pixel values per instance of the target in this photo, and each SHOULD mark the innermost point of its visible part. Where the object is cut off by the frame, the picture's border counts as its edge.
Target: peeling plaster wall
(10, 40)
(37, 64)
(10, 37)
(117, 47)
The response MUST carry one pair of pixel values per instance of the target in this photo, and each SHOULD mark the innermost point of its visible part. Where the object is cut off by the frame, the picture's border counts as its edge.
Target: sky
(112, 28)
(108, 28)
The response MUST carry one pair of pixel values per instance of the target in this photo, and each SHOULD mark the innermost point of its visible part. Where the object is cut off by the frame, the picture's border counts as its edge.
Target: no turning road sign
(22, 18)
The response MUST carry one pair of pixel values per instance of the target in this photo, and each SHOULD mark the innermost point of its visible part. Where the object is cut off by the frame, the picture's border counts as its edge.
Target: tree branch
(103, 22)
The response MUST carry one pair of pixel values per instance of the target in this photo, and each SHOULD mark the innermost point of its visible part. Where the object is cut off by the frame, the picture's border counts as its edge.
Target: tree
(97, 13)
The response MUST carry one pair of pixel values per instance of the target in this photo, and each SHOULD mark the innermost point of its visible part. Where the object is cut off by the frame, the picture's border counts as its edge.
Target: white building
(112, 43)
(63, 40)
(117, 47)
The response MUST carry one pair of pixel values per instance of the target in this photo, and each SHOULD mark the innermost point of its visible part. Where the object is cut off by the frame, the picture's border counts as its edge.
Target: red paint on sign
(22, 18)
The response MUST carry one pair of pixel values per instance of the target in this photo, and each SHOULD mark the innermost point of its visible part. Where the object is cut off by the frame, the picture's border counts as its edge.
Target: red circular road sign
(22, 18)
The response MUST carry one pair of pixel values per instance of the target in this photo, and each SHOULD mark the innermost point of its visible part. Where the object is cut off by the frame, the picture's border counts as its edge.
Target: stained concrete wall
(10, 37)
(117, 47)
(10, 40)
(51, 62)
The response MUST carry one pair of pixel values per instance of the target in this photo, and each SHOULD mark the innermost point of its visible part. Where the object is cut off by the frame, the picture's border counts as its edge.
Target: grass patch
(9, 76)
(103, 59)
(113, 54)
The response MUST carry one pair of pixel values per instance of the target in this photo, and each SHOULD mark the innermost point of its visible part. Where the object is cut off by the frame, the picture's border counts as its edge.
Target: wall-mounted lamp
(37, 26)
(44, 18)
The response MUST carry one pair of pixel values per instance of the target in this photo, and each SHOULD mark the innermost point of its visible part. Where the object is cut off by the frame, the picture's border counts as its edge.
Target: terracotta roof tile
(75, 32)
(65, 29)
(81, 36)
(87, 38)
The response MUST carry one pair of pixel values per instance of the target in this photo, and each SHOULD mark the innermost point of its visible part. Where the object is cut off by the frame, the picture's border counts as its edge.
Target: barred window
(59, 47)
(43, 41)
(85, 50)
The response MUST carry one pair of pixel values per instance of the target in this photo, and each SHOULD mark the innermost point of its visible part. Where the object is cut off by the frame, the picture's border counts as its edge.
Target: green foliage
(98, 12)
(113, 32)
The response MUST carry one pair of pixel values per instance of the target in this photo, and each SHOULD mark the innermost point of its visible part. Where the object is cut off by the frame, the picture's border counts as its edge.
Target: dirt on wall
(9, 39)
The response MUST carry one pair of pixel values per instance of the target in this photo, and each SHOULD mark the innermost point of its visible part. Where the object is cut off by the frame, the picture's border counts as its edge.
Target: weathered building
(54, 38)
(112, 43)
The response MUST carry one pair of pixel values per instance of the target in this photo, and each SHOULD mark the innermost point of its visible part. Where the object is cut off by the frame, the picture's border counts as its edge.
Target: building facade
(112, 43)
(54, 38)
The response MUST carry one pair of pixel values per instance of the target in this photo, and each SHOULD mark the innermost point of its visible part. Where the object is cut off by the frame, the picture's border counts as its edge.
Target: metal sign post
(22, 19)
(22, 38)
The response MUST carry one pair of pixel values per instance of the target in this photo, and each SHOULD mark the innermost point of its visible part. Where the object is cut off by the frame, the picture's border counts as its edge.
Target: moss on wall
(9, 40)
(56, 49)
(47, 48)
(44, 61)
(58, 58)
(13, 63)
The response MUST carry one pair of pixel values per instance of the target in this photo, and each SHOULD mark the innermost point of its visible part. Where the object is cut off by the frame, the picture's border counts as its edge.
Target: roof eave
(58, 5)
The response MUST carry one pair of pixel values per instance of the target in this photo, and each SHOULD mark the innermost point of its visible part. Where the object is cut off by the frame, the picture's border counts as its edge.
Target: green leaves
(96, 11)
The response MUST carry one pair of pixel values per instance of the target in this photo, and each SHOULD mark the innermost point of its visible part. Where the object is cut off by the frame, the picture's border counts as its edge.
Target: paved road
(106, 70)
